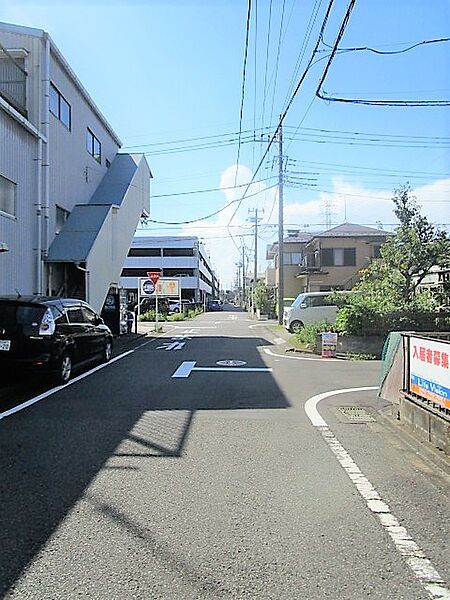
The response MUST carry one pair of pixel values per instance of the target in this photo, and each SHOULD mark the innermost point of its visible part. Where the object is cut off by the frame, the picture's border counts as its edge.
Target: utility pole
(243, 274)
(280, 227)
(255, 219)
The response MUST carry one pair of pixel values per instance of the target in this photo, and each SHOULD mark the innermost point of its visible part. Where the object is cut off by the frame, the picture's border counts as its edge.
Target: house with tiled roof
(334, 258)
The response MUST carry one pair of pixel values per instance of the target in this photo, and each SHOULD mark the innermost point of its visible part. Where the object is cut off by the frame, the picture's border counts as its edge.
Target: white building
(175, 257)
(69, 203)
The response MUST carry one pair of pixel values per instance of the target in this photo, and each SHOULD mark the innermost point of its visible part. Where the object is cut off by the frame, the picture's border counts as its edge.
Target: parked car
(309, 307)
(176, 307)
(214, 305)
(52, 335)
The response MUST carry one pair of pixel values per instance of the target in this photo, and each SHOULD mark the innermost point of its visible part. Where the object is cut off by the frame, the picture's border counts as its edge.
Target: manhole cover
(231, 363)
(356, 414)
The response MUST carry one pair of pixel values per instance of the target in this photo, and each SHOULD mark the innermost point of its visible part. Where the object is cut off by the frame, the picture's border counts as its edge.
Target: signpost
(154, 278)
(155, 286)
(329, 344)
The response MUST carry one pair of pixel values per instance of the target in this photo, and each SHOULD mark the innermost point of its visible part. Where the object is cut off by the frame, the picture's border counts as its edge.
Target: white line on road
(184, 370)
(322, 360)
(311, 404)
(406, 546)
(187, 366)
(52, 391)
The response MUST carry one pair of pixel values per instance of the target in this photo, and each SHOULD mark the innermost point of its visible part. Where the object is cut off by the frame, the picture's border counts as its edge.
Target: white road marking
(311, 404)
(172, 345)
(187, 366)
(52, 391)
(322, 360)
(184, 370)
(414, 557)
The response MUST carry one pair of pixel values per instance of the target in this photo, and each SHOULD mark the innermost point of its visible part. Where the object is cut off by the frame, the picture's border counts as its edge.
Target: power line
(366, 101)
(294, 94)
(233, 187)
(244, 71)
(210, 215)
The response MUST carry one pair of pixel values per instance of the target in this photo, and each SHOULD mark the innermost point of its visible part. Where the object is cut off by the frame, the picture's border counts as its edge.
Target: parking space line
(50, 392)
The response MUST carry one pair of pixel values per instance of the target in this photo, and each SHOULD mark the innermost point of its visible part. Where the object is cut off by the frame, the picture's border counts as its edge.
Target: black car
(215, 305)
(54, 335)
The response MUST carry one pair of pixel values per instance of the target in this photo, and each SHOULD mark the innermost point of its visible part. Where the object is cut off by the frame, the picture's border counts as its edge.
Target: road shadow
(51, 452)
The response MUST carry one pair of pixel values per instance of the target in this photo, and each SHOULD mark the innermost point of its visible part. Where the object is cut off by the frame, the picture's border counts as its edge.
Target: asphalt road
(132, 483)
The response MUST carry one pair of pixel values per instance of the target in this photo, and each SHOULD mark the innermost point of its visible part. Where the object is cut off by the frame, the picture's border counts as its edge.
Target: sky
(169, 77)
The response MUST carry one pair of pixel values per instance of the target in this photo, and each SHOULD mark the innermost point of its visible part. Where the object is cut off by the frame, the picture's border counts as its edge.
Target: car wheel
(107, 351)
(296, 326)
(64, 368)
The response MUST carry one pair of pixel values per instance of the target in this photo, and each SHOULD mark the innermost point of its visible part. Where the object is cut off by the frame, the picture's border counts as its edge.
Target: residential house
(322, 261)
(293, 254)
(334, 258)
(69, 202)
(182, 258)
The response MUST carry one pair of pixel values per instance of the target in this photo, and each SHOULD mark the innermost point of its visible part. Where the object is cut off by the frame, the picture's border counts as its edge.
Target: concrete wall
(425, 425)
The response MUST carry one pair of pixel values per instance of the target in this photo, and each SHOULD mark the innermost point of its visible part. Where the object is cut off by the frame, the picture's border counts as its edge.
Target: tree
(416, 246)
(387, 298)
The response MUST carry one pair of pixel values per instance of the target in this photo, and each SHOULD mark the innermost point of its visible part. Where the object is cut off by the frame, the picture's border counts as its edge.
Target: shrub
(307, 335)
(176, 317)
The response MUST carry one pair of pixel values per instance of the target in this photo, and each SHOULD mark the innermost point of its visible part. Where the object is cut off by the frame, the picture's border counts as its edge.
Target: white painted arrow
(187, 366)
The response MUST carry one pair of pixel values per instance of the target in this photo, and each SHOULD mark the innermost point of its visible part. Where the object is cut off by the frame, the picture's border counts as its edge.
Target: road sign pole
(156, 307)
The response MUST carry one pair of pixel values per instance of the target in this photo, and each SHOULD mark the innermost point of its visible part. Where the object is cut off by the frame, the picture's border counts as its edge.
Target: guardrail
(426, 371)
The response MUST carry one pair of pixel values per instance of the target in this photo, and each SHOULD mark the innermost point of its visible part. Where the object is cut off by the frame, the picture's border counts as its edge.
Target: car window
(299, 300)
(58, 314)
(15, 314)
(89, 315)
(315, 301)
(75, 315)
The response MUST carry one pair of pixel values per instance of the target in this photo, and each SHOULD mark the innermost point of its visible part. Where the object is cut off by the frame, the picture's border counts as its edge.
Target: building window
(60, 107)
(93, 146)
(292, 258)
(7, 196)
(144, 252)
(179, 252)
(61, 217)
(338, 257)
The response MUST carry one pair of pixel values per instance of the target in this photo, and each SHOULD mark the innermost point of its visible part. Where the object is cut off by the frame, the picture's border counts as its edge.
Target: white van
(309, 307)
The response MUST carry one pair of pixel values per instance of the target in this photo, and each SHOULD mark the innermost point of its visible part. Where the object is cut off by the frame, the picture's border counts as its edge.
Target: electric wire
(244, 73)
(213, 214)
(365, 101)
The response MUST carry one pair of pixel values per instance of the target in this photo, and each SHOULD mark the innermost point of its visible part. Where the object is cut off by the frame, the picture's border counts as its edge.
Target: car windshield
(299, 300)
(12, 314)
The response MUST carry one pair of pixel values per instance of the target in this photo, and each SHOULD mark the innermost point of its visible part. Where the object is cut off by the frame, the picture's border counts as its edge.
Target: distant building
(69, 203)
(334, 258)
(183, 258)
(323, 261)
(293, 254)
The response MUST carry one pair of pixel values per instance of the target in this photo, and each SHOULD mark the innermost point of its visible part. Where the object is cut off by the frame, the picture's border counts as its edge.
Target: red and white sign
(430, 370)
(154, 276)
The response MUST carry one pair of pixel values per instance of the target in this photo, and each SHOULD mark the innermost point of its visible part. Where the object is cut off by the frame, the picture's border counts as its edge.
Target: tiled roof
(352, 230)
